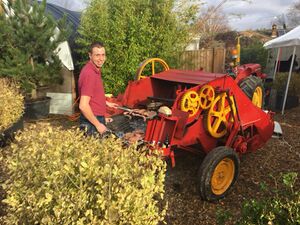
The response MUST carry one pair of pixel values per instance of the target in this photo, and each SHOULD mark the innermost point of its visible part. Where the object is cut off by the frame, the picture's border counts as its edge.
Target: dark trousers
(88, 127)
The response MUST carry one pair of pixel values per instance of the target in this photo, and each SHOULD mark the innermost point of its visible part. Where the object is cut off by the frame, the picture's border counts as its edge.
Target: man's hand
(112, 104)
(101, 128)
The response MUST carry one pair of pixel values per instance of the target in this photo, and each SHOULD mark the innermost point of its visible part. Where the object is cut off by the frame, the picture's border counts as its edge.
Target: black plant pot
(37, 109)
(8, 134)
(292, 101)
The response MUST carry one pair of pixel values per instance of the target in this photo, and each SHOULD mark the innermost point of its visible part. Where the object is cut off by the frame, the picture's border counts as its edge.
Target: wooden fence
(210, 60)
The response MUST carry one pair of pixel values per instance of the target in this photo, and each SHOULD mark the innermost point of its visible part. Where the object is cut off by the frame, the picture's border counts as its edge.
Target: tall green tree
(28, 40)
(132, 31)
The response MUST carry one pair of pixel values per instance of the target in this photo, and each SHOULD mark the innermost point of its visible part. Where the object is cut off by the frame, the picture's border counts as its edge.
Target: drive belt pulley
(154, 63)
(206, 96)
(219, 115)
(190, 102)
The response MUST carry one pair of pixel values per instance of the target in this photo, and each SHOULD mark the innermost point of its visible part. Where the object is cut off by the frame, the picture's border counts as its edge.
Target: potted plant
(293, 92)
(30, 38)
(11, 109)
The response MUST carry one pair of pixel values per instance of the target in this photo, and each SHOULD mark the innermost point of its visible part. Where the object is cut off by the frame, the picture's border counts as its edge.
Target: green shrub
(61, 177)
(254, 53)
(283, 208)
(132, 31)
(281, 80)
(12, 103)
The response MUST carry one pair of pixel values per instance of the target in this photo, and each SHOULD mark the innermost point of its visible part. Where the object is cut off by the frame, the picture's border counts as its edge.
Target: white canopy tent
(290, 39)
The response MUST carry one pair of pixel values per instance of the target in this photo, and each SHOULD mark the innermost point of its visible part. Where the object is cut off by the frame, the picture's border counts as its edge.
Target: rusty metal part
(143, 113)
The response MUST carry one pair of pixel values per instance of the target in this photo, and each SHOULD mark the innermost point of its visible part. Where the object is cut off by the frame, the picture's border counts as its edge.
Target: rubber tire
(207, 168)
(249, 84)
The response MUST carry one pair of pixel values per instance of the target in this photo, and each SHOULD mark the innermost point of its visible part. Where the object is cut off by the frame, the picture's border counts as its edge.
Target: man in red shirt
(92, 97)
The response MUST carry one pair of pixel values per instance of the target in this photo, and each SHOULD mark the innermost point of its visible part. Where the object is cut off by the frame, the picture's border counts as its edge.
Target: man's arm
(86, 110)
(111, 104)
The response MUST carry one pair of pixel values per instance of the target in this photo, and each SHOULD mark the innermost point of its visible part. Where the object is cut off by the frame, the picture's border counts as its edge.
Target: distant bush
(254, 53)
(11, 103)
(283, 208)
(61, 177)
(281, 80)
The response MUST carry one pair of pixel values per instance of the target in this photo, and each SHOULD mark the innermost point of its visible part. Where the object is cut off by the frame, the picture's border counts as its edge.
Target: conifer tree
(28, 40)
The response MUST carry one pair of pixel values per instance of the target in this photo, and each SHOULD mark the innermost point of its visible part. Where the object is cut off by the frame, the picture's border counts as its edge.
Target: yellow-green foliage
(11, 104)
(281, 80)
(61, 177)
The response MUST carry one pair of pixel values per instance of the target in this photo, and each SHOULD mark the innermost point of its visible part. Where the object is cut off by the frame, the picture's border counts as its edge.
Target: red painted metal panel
(189, 77)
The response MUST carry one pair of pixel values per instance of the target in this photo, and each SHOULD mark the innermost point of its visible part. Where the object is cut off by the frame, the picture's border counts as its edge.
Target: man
(92, 97)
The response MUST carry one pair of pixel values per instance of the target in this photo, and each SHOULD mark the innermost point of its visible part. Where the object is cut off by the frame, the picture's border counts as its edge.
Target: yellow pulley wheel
(153, 61)
(190, 102)
(218, 116)
(206, 95)
(233, 108)
(257, 97)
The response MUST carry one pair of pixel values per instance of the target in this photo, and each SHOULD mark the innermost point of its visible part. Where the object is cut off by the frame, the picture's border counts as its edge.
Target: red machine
(199, 111)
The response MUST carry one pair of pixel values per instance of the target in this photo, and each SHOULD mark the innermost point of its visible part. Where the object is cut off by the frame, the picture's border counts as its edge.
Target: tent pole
(276, 64)
(288, 81)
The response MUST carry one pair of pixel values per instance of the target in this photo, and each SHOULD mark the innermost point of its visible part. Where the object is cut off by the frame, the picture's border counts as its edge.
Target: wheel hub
(223, 176)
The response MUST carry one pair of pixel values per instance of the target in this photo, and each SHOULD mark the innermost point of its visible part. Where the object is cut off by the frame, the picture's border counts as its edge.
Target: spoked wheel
(157, 65)
(218, 116)
(217, 173)
(253, 87)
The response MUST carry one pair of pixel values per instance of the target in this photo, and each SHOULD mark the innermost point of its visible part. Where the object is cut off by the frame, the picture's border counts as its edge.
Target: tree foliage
(294, 14)
(132, 31)
(254, 52)
(28, 45)
(211, 22)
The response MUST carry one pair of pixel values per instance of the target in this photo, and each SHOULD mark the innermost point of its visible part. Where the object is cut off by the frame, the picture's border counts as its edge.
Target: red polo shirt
(90, 84)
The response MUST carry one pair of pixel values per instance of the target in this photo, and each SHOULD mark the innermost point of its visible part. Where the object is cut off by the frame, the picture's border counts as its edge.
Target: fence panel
(209, 60)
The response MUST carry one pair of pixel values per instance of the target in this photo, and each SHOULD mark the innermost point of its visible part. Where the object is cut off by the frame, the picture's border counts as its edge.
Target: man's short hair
(96, 44)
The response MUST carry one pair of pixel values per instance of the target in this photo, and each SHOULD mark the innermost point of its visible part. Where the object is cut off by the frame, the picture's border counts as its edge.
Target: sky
(254, 13)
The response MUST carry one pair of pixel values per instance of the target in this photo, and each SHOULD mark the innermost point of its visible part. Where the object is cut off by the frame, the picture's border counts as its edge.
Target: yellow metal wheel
(207, 96)
(190, 102)
(222, 176)
(217, 173)
(257, 97)
(153, 62)
(252, 86)
(218, 116)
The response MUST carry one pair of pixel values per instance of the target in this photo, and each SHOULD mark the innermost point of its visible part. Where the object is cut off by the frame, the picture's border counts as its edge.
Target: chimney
(274, 31)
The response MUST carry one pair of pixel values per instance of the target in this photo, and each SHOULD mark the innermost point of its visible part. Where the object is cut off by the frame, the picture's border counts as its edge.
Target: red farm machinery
(196, 111)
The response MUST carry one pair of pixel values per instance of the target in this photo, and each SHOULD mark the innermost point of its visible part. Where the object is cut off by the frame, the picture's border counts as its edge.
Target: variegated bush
(58, 176)
(11, 104)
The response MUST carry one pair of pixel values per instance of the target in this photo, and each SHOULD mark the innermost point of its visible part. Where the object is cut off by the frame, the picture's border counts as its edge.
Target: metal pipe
(276, 64)
(288, 82)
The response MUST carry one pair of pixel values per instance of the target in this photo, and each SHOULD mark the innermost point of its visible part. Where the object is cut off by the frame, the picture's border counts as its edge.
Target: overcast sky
(257, 14)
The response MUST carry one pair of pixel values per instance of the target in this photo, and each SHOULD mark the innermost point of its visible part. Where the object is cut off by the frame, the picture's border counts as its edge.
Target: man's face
(98, 56)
